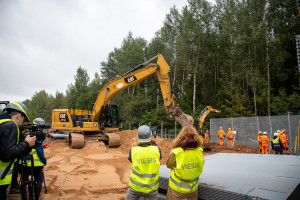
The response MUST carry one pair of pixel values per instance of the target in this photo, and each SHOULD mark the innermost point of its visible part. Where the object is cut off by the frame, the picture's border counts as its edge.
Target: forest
(235, 55)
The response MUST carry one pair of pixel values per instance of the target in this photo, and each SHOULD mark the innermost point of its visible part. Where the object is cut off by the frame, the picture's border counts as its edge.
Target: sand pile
(98, 172)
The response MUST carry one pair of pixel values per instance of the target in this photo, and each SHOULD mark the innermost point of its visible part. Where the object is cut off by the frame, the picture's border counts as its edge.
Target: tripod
(28, 180)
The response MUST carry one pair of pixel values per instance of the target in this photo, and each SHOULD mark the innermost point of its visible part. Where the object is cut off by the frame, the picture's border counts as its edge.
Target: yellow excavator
(102, 121)
(203, 115)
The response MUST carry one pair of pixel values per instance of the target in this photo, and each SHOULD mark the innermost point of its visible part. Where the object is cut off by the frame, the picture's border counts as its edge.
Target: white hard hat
(278, 131)
(144, 133)
(275, 134)
(265, 133)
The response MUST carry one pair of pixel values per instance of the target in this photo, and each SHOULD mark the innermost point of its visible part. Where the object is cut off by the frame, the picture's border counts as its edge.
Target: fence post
(139, 124)
(129, 126)
(175, 129)
(161, 129)
(290, 134)
(150, 124)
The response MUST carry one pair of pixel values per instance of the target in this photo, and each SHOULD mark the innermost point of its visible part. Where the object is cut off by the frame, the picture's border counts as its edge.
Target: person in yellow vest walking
(221, 135)
(265, 143)
(14, 115)
(260, 133)
(145, 158)
(206, 136)
(39, 161)
(230, 136)
(186, 164)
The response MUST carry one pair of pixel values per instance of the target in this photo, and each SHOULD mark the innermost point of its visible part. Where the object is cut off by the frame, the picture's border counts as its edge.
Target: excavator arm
(203, 115)
(134, 76)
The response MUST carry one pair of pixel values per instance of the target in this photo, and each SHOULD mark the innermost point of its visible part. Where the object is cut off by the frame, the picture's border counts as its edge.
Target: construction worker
(221, 135)
(265, 143)
(206, 136)
(285, 142)
(145, 158)
(39, 163)
(230, 136)
(14, 115)
(260, 133)
(276, 144)
(186, 164)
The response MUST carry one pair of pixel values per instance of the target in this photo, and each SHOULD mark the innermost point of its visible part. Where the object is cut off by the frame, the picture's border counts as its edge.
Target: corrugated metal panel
(245, 176)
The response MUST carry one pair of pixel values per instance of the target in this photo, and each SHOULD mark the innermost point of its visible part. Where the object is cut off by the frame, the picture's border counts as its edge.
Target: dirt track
(98, 172)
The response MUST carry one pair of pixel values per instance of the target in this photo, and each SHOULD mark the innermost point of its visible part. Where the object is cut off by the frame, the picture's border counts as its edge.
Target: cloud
(42, 43)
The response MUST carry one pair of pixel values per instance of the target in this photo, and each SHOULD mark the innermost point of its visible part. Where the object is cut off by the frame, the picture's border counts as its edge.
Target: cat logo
(130, 79)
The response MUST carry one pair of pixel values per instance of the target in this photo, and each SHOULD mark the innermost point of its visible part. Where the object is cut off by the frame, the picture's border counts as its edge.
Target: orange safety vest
(259, 139)
(230, 135)
(221, 134)
(264, 140)
(207, 136)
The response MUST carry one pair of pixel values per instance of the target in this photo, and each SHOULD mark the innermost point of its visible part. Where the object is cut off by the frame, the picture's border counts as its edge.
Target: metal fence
(247, 129)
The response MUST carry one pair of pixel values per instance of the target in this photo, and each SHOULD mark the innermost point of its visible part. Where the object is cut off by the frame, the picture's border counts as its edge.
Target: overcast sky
(43, 42)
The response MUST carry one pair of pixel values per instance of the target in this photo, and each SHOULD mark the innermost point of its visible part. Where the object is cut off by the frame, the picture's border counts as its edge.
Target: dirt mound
(216, 148)
(99, 172)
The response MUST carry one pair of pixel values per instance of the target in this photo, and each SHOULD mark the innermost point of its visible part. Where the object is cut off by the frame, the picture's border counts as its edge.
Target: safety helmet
(229, 129)
(265, 133)
(144, 133)
(259, 132)
(278, 131)
(39, 121)
(20, 107)
(220, 127)
(283, 131)
(275, 134)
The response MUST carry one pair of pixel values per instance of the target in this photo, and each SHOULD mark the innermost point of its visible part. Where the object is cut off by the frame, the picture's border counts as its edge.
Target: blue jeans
(278, 150)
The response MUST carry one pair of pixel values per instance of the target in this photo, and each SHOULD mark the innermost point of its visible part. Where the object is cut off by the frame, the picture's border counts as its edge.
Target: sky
(43, 42)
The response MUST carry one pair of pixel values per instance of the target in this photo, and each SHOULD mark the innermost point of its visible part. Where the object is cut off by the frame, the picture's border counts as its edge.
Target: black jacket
(280, 143)
(9, 149)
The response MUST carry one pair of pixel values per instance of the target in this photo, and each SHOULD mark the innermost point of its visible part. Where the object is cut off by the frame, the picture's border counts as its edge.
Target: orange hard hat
(260, 132)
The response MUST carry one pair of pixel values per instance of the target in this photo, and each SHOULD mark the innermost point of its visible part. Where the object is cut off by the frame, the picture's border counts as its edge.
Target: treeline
(237, 55)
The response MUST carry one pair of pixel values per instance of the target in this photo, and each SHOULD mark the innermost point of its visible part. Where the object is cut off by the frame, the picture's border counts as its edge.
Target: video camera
(34, 130)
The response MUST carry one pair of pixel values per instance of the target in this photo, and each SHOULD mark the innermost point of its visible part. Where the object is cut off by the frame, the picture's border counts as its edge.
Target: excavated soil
(98, 172)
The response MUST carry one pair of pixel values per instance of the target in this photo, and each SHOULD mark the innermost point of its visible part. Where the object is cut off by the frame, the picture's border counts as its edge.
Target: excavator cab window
(110, 116)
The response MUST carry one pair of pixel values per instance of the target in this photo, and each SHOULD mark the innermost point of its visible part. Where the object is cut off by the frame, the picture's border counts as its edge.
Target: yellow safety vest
(184, 178)
(36, 160)
(4, 165)
(145, 168)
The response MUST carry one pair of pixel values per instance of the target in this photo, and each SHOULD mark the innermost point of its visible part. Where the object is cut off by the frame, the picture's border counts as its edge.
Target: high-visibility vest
(264, 141)
(36, 160)
(4, 165)
(184, 178)
(230, 135)
(221, 134)
(206, 136)
(145, 168)
(276, 144)
(259, 140)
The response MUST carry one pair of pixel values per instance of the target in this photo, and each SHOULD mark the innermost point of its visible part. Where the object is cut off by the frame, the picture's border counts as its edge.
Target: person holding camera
(39, 161)
(10, 147)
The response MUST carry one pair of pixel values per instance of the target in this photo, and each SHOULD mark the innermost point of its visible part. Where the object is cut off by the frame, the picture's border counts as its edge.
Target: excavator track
(76, 140)
(114, 140)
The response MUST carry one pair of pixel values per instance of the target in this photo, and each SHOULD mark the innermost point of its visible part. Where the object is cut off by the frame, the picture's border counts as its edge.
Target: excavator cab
(109, 116)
